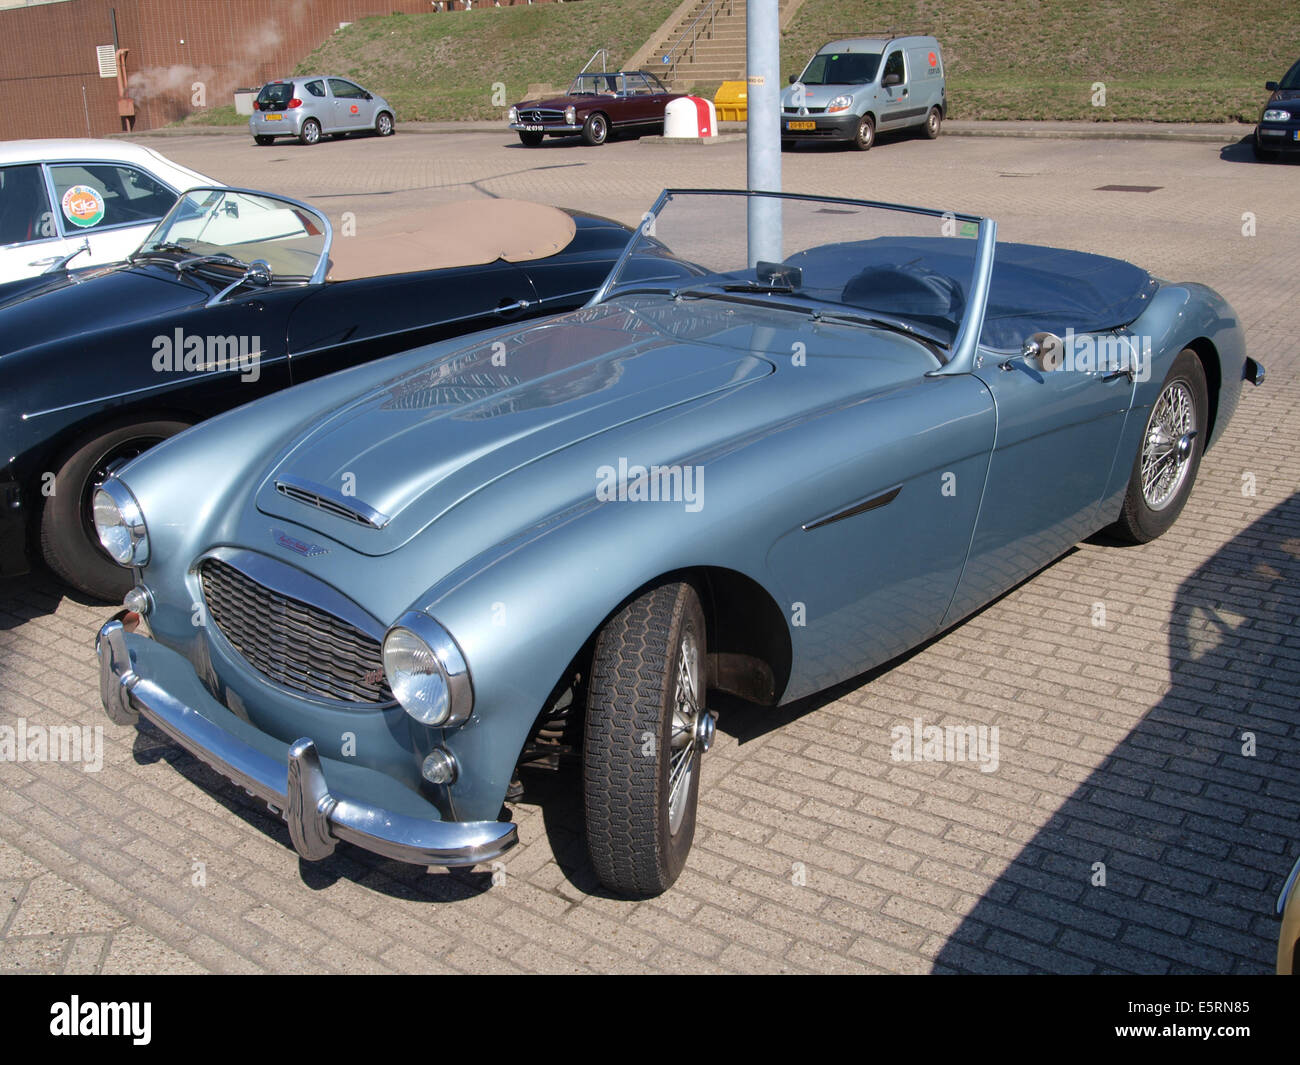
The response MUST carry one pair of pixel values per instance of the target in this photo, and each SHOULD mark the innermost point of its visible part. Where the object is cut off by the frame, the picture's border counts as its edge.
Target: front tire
(865, 135)
(1264, 155)
(933, 123)
(531, 138)
(1169, 454)
(68, 539)
(646, 730)
(384, 124)
(595, 131)
(310, 132)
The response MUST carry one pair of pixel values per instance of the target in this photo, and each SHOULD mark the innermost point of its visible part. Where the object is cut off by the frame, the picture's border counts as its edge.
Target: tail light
(256, 106)
(295, 102)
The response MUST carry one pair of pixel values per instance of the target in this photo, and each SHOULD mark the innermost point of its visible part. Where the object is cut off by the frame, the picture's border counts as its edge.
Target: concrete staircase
(705, 40)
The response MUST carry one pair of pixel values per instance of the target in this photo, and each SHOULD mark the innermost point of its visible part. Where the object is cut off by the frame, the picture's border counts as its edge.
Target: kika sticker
(83, 206)
(355, 109)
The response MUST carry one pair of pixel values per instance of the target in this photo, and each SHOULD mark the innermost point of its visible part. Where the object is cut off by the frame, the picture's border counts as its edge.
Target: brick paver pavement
(1120, 745)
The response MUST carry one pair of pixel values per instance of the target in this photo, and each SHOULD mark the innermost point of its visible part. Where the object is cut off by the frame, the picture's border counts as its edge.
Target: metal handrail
(714, 8)
(604, 59)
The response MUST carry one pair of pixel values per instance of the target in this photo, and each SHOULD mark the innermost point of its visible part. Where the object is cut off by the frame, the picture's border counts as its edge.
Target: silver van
(852, 89)
(317, 105)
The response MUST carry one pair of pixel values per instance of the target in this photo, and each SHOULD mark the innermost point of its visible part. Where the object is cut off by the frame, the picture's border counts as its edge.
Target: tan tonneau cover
(469, 233)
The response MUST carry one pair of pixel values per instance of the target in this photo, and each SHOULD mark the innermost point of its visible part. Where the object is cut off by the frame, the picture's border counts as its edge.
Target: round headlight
(120, 525)
(426, 671)
(840, 103)
(1276, 114)
(570, 115)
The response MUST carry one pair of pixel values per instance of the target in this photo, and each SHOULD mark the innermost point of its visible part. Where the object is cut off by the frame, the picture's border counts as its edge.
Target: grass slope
(1160, 60)
(440, 67)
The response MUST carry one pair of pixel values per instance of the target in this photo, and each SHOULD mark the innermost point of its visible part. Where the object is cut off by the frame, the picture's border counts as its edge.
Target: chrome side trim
(296, 789)
(303, 491)
(881, 499)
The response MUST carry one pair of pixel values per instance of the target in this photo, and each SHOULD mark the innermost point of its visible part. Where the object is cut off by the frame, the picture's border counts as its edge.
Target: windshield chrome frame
(965, 344)
(322, 267)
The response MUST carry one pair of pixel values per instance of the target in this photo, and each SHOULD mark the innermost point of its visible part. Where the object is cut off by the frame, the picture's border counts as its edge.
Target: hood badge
(300, 546)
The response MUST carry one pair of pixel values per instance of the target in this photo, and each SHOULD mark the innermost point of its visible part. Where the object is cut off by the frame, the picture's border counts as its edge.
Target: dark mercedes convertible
(237, 294)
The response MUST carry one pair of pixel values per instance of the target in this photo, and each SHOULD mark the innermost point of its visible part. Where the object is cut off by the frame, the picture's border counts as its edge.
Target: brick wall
(49, 77)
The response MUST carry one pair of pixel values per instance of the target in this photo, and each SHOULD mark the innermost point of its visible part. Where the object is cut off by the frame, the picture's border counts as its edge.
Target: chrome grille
(294, 644)
(538, 115)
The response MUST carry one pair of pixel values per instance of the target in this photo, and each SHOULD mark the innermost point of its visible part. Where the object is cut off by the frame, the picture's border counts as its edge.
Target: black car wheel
(68, 540)
(933, 123)
(1264, 155)
(1169, 454)
(530, 138)
(787, 145)
(646, 730)
(384, 124)
(264, 141)
(595, 130)
(865, 136)
(310, 132)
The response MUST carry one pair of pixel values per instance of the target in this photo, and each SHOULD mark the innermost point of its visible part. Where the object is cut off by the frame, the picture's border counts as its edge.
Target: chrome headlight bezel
(570, 115)
(1276, 114)
(444, 696)
(130, 548)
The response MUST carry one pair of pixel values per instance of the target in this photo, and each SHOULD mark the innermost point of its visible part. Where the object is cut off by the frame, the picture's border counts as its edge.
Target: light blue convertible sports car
(789, 439)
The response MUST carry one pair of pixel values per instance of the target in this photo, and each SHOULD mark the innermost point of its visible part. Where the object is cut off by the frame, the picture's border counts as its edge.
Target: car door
(895, 104)
(30, 236)
(1057, 439)
(351, 108)
(345, 323)
(111, 205)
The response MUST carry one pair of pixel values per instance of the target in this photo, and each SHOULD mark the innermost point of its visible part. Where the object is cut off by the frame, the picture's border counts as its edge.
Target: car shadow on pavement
(1243, 151)
(38, 594)
(1193, 814)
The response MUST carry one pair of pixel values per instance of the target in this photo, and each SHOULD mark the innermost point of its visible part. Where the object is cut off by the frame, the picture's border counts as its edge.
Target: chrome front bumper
(295, 788)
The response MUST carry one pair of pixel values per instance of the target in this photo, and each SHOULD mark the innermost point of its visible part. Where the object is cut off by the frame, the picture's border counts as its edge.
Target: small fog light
(439, 767)
(138, 600)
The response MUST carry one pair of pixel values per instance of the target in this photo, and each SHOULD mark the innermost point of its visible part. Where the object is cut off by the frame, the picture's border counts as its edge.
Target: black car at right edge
(1278, 131)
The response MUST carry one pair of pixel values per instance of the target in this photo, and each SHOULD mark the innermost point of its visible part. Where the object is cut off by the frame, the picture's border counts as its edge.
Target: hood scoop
(320, 496)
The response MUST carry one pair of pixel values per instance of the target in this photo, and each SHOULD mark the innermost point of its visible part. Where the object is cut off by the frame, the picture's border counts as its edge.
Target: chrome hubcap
(1168, 445)
(692, 729)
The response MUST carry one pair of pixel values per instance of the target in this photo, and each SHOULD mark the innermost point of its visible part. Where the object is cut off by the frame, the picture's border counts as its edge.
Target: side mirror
(369, 97)
(794, 78)
(259, 273)
(1047, 350)
(891, 79)
(1271, 86)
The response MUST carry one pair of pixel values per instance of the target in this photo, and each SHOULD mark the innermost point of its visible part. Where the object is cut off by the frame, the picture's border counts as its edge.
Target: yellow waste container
(732, 102)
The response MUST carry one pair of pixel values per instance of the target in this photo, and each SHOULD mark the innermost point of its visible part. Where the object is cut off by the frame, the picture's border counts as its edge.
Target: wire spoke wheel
(1166, 448)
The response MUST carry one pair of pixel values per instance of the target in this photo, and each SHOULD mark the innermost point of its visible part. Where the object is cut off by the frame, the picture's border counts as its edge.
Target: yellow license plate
(800, 125)
(274, 118)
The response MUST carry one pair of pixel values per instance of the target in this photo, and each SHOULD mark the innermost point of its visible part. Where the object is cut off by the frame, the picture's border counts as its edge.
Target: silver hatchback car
(317, 105)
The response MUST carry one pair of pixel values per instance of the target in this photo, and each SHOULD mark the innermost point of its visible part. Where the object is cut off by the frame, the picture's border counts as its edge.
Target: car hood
(410, 450)
(559, 103)
(68, 305)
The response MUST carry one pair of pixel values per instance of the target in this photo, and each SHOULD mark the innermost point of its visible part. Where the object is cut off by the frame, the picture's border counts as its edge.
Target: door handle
(1119, 373)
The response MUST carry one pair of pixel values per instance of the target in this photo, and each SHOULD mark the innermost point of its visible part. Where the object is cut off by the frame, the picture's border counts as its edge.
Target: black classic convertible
(237, 294)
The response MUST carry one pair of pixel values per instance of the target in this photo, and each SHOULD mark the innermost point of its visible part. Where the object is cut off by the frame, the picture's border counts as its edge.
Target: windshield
(904, 267)
(230, 229)
(842, 68)
(1291, 79)
(590, 84)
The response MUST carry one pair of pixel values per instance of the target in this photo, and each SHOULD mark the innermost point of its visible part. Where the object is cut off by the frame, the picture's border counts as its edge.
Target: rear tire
(865, 136)
(310, 132)
(646, 727)
(531, 139)
(1168, 457)
(68, 539)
